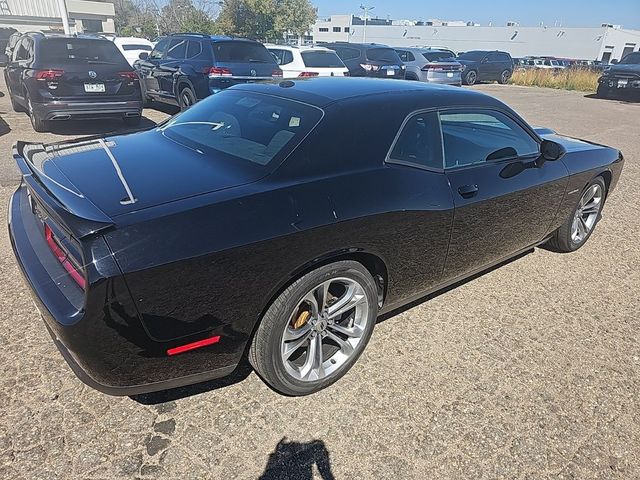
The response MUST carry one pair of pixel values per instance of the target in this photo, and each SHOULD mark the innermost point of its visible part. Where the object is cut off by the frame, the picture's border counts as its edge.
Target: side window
(479, 136)
(403, 54)
(493, 57)
(193, 49)
(347, 53)
(277, 54)
(503, 57)
(419, 143)
(177, 49)
(22, 50)
(160, 49)
(287, 57)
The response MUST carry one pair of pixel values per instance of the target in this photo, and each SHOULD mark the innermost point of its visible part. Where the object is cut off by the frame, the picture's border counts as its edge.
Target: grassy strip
(570, 79)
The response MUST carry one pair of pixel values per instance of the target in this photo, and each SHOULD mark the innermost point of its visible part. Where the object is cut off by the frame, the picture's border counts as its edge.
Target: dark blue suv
(186, 67)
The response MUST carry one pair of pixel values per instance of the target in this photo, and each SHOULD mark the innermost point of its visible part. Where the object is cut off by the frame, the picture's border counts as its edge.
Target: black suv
(58, 77)
(621, 77)
(369, 59)
(186, 67)
(484, 66)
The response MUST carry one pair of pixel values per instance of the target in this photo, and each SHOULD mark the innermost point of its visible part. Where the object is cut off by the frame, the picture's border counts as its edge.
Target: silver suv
(428, 65)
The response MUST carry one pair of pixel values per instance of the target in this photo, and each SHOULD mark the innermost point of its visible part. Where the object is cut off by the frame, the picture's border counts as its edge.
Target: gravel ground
(529, 371)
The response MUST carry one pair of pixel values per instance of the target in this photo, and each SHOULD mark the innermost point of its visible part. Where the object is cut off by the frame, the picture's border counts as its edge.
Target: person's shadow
(295, 461)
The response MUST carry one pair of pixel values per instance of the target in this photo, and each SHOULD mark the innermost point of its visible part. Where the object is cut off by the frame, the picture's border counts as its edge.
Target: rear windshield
(320, 59)
(132, 46)
(472, 56)
(383, 55)
(437, 56)
(241, 52)
(80, 50)
(631, 59)
(248, 129)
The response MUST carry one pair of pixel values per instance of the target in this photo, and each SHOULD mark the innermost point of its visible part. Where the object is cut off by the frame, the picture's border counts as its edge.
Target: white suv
(301, 62)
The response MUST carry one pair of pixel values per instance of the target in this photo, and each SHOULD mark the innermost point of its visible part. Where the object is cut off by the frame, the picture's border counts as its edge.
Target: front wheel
(577, 229)
(316, 329)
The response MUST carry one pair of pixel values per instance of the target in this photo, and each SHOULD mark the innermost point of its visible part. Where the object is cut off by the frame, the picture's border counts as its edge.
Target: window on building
(346, 29)
(91, 25)
(337, 29)
(323, 29)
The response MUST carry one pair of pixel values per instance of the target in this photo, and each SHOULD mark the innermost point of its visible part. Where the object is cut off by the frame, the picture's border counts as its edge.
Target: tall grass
(570, 79)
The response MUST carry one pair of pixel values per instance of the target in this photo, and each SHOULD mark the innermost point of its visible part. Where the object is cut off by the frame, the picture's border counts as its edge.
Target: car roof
(304, 48)
(132, 39)
(323, 91)
(358, 45)
(213, 38)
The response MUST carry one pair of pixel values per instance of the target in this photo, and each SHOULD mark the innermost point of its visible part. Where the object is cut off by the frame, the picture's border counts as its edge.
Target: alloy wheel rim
(472, 78)
(505, 77)
(324, 329)
(586, 214)
(186, 100)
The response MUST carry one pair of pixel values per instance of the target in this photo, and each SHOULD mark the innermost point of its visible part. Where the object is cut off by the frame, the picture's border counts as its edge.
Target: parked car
(433, 66)
(622, 77)
(439, 49)
(132, 47)
(369, 59)
(8, 39)
(485, 66)
(261, 220)
(300, 62)
(187, 67)
(59, 77)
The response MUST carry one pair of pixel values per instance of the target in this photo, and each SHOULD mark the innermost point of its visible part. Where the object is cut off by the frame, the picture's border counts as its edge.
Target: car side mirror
(550, 151)
(4, 59)
(143, 56)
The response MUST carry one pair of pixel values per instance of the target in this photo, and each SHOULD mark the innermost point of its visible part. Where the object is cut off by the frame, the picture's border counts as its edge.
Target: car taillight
(48, 75)
(63, 257)
(277, 73)
(308, 74)
(128, 75)
(428, 66)
(217, 72)
(370, 68)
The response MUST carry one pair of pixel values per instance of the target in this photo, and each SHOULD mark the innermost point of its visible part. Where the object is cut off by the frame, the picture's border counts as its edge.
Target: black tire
(504, 77)
(562, 241)
(186, 98)
(411, 76)
(265, 350)
(132, 121)
(17, 107)
(39, 124)
(470, 78)
(603, 91)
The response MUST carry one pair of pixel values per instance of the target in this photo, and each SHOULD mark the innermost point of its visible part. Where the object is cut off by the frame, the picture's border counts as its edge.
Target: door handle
(468, 191)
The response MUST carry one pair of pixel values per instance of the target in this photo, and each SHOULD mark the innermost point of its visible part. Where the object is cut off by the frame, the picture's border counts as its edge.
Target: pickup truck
(621, 78)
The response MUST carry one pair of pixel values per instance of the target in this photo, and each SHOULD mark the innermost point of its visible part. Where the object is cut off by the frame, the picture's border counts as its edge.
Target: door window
(177, 49)
(160, 49)
(419, 142)
(406, 56)
(193, 49)
(346, 53)
(22, 51)
(472, 137)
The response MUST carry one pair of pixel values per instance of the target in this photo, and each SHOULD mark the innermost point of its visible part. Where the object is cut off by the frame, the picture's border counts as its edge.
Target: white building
(43, 15)
(605, 43)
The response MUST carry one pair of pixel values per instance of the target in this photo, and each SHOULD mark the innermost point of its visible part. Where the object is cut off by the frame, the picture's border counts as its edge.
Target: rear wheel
(314, 332)
(504, 77)
(186, 98)
(38, 123)
(577, 229)
(470, 78)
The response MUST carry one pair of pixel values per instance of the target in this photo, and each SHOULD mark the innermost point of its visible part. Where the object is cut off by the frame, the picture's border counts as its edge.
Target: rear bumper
(101, 338)
(78, 110)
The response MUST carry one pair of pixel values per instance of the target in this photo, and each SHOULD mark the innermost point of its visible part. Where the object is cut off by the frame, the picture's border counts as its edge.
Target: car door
(148, 68)
(167, 69)
(490, 67)
(22, 57)
(504, 203)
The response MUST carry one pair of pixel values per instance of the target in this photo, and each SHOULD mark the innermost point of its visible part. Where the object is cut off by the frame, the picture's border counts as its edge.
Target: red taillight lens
(215, 72)
(193, 345)
(308, 74)
(128, 75)
(63, 258)
(428, 66)
(49, 75)
(277, 73)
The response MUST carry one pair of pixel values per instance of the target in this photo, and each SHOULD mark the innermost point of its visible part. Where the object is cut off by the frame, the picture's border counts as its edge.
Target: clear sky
(572, 13)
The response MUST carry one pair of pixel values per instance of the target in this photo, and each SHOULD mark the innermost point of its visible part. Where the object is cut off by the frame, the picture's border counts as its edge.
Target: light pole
(366, 9)
(65, 16)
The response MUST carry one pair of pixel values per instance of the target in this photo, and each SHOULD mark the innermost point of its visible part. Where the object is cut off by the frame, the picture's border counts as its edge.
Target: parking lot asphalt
(529, 371)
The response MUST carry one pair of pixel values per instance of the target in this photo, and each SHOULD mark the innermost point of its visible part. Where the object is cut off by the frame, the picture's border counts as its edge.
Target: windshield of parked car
(241, 52)
(80, 50)
(437, 56)
(473, 56)
(631, 59)
(236, 125)
(383, 55)
(321, 59)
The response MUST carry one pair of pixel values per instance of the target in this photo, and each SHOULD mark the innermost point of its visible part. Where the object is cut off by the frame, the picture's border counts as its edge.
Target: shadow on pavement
(4, 126)
(96, 127)
(295, 461)
(623, 98)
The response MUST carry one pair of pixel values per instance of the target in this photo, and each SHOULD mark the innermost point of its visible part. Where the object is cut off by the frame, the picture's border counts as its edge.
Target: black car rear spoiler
(69, 209)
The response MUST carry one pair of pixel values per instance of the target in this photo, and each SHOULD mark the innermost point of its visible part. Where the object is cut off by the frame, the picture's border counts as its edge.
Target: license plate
(94, 87)
(622, 83)
(450, 74)
(391, 73)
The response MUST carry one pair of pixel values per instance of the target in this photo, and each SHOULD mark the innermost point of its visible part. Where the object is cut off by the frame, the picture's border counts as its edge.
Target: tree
(265, 19)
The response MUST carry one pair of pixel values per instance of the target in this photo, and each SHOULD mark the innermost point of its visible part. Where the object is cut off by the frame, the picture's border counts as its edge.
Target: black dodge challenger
(279, 220)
